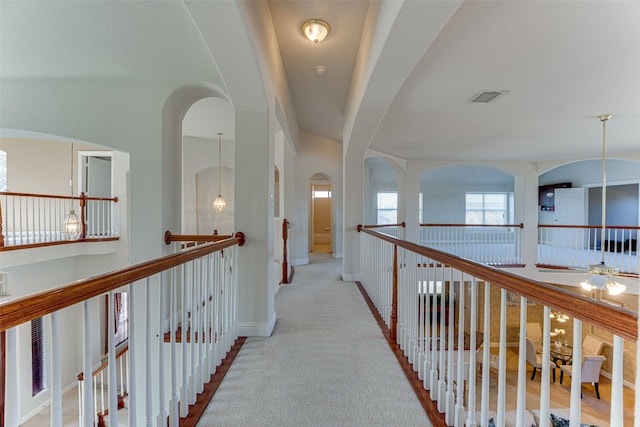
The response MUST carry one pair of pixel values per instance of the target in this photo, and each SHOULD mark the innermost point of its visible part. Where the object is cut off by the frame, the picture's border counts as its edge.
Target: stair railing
(164, 294)
(448, 315)
(101, 383)
(32, 220)
(571, 246)
(492, 244)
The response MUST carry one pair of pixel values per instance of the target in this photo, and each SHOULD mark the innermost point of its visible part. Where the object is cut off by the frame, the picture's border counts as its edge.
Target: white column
(254, 216)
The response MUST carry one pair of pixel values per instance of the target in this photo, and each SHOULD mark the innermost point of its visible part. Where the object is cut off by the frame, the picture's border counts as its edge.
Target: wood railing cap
(618, 321)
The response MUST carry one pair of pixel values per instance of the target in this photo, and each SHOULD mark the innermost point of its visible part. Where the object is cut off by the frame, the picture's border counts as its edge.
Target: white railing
(34, 219)
(395, 230)
(190, 297)
(579, 246)
(487, 244)
(101, 386)
(456, 321)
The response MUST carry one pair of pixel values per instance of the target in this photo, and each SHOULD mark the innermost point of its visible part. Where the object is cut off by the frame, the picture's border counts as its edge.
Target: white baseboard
(351, 277)
(35, 411)
(337, 255)
(626, 383)
(257, 329)
(300, 261)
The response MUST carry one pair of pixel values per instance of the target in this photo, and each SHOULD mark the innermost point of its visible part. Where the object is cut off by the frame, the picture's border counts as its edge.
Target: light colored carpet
(326, 364)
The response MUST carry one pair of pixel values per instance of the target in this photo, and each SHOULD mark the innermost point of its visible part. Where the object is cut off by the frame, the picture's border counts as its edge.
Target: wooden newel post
(285, 262)
(393, 327)
(83, 215)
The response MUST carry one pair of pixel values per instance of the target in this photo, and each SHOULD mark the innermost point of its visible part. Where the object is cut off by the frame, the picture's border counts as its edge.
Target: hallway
(326, 364)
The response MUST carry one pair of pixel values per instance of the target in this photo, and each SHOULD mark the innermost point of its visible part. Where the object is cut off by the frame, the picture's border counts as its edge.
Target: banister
(591, 227)
(170, 237)
(521, 225)
(402, 224)
(29, 307)
(52, 196)
(104, 366)
(618, 321)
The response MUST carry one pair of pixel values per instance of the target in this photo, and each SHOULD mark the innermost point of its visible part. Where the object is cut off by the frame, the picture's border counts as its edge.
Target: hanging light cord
(71, 175)
(603, 118)
(219, 161)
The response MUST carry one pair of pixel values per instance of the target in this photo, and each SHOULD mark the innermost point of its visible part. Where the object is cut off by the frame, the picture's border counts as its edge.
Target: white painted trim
(300, 261)
(348, 277)
(257, 329)
(337, 255)
(35, 411)
(626, 383)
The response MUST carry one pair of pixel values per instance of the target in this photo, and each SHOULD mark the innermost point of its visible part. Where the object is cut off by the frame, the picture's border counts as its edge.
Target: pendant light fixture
(602, 275)
(71, 224)
(219, 203)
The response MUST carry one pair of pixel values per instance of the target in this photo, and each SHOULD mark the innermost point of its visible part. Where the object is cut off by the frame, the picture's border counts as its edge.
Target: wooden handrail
(29, 307)
(82, 196)
(591, 227)
(521, 225)
(402, 224)
(618, 321)
(202, 238)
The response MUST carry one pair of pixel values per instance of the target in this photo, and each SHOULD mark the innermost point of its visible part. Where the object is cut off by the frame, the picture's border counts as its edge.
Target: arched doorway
(321, 208)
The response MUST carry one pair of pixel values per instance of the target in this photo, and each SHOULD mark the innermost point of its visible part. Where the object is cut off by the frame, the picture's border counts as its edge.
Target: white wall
(200, 158)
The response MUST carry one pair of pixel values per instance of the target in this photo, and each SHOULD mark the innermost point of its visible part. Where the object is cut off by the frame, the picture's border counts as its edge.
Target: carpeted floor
(326, 364)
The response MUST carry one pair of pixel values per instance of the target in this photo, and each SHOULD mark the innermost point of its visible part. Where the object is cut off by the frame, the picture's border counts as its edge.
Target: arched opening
(321, 209)
(467, 194)
(207, 166)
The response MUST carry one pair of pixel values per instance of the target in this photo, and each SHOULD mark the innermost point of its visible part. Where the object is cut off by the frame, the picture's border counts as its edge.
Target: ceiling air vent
(487, 96)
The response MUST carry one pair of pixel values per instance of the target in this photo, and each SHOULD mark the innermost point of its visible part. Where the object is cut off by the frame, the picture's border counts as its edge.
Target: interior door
(98, 184)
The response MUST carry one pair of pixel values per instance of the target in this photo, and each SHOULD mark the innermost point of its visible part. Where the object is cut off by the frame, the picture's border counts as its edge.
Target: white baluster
(502, 359)
(522, 364)
(462, 369)
(56, 367)
(486, 354)
(617, 397)
(544, 384)
(173, 330)
(88, 397)
(576, 373)
(112, 383)
(471, 418)
(132, 382)
(162, 403)
(148, 357)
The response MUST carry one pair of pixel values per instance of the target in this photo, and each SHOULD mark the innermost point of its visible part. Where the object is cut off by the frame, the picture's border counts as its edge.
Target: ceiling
(561, 63)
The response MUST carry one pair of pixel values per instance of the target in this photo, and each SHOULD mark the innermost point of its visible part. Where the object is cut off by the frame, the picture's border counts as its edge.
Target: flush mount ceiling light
(601, 275)
(315, 30)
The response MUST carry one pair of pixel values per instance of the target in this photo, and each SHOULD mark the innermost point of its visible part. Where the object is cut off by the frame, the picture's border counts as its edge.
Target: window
(321, 194)
(38, 378)
(486, 208)
(388, 208)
